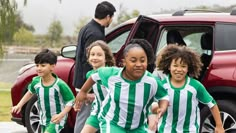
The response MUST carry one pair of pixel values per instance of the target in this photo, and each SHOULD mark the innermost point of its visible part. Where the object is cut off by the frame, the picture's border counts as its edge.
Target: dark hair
(103, 9)
(145, 45)
(187, 55)
(173, 37)
(45, 56)
(110, 60)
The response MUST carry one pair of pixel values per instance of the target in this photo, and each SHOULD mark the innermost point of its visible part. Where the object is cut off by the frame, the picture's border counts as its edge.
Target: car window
(190, 34)
(118, 41)
(193, 40)
(225, 36)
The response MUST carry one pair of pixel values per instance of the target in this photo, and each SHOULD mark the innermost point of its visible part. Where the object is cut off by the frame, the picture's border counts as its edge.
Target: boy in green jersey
(55, 98)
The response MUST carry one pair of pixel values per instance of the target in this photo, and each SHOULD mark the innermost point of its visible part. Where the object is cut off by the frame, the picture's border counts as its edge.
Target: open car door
(144, 28)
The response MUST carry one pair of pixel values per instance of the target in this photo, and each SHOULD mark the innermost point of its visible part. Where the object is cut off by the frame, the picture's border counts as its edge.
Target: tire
(228, 117)
(32, 116)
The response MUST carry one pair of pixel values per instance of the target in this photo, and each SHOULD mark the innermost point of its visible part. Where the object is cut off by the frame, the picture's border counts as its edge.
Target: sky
(40, 13)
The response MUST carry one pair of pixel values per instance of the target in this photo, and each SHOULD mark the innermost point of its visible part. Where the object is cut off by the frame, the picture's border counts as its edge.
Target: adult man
(94, 30)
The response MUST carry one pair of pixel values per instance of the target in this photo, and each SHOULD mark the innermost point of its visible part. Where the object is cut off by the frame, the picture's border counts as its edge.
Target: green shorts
(93, 121)
(51, 128)
(108, 127)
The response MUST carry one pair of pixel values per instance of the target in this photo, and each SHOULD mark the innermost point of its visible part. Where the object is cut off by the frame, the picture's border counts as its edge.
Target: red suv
(212, 35)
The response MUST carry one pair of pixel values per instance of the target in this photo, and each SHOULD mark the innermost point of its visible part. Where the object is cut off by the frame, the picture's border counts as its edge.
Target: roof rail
(233, 12)
(182, 12)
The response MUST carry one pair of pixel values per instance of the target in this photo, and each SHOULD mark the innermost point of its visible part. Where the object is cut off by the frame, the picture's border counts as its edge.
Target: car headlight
(25, 67)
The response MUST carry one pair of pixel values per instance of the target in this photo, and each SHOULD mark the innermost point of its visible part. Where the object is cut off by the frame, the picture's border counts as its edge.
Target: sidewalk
(11, 127)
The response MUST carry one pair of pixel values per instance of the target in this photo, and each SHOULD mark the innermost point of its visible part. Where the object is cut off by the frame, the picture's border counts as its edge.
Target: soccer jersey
(183, 113)
(100, 93)
(127, 102)
(51, 99)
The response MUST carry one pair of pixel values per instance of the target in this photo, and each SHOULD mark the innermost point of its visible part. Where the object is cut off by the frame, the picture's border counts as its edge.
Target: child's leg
(91, 125)
(89, 129)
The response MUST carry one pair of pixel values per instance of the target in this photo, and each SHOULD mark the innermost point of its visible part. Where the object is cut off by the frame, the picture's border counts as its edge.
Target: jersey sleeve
(204, 97)
(161, 93)
(32, 84)
(103, 74)
(66, 93)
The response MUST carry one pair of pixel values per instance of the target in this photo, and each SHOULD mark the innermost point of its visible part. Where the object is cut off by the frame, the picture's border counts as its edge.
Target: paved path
(11, 127)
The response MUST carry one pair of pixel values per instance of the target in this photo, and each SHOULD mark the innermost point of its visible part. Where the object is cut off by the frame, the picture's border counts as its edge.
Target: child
(131, 90)
(182, 115)
(99, 55)
(55, 98)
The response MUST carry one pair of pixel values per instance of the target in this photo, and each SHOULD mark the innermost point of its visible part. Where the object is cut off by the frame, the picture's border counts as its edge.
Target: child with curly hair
(181, 64)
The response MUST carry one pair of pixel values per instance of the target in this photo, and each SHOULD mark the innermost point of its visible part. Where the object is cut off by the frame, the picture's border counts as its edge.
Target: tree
(23, 36)
(55, 32)
(7, 21)
(20, 23)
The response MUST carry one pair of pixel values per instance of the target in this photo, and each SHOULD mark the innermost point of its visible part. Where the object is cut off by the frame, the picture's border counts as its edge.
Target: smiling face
(44, 70)
(178, 70)
(135, 63)
(96, 57)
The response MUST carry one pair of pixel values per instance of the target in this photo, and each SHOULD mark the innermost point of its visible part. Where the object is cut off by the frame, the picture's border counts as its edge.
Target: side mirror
(69, 51)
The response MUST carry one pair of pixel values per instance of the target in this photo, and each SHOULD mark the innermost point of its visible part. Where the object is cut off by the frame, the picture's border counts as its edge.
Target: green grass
(5, 86)
(5, 101)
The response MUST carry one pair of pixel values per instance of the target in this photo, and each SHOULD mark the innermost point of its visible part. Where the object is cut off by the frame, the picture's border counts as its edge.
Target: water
(10, 65)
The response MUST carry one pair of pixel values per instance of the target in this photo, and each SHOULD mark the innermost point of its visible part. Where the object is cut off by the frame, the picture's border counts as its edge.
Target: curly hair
(188, 56)
(110, 60)
(145, 45)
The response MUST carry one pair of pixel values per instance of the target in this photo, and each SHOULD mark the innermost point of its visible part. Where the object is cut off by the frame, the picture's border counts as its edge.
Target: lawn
(5, 101)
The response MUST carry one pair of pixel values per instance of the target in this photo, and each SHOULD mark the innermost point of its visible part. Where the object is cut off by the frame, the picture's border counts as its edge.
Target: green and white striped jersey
(183, 113)
(51, 99)
(128, 102)
(100, 93)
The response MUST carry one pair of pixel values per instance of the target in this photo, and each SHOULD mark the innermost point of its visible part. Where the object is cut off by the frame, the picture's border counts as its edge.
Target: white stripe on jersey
(169, 109)
(124, 95)
(42, 105)
(138, 99)
(182, 101)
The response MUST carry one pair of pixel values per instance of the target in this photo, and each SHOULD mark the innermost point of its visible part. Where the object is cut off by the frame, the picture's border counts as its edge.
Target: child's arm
(57, 118)
(17, 108)
(163, 104)
(216, 114)
(82, 95)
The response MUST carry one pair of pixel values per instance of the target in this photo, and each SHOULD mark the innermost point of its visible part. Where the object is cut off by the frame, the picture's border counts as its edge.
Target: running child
(181, 64)
(99, 55)
(131, 91)
(55, 98)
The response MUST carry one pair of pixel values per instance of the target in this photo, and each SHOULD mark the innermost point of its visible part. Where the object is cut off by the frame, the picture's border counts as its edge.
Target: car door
(144, 28)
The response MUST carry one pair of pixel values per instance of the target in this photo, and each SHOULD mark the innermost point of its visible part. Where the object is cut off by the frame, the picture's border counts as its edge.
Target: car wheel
(228, 117)
(32, 116)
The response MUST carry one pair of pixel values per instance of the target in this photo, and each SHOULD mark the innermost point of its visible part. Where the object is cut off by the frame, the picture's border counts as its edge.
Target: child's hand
(80, 98)
(16, 109)
(57, 118)
(219, 129)
(152, 122)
